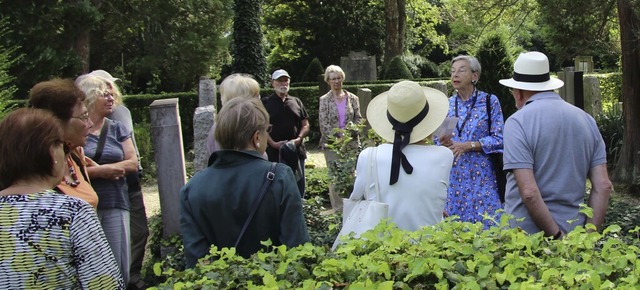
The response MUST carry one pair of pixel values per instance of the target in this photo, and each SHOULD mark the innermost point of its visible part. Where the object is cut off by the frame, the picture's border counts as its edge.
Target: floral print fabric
(473, 190)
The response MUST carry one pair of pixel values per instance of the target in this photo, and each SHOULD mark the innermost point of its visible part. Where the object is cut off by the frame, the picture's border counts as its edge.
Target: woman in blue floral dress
(473, 190)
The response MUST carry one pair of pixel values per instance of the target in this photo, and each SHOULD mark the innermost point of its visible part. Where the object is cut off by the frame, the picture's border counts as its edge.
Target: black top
(286, 118)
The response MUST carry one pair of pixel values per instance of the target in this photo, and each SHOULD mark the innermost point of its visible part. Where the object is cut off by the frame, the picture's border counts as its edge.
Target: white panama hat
(404, 101)
(531, 73)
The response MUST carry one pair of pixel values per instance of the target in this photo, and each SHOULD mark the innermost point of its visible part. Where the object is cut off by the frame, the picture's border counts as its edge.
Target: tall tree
(247, 49)
(628, 166)
(395, 21)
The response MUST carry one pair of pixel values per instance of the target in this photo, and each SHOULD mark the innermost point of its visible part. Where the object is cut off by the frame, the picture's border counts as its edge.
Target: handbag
(361, 215)
(496, 160)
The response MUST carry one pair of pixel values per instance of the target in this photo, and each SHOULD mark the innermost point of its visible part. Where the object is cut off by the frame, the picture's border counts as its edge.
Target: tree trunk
(395, 19)
(627, 170)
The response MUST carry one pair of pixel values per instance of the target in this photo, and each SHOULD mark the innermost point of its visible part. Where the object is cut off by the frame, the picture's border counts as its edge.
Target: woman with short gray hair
(473, 188)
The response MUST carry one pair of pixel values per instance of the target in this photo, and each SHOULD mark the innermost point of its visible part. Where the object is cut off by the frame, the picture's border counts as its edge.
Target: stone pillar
(166, 136)
(202, 122)
(364, 96)
(592, 96)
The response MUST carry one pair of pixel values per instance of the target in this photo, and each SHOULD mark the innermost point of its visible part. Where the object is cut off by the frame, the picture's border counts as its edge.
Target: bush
(397, 70)
(610, 90)
(496, 64)
(313, 71)
(450, 254)
(142, 132)
(420, 66)
(611, 126)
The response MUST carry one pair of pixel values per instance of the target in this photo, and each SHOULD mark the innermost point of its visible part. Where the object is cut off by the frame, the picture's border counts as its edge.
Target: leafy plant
(313, 71)
(611, 126)
(397, 70)
(450, 254)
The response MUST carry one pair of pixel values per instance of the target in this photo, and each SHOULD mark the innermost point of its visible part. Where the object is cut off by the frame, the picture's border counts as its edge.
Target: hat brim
(438, 109)
(552, 84)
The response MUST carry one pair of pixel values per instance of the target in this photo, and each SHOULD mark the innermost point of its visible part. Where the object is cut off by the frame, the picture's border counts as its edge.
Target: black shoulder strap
(267, 182)
(489, 110)
(77, 160)
(103, 138)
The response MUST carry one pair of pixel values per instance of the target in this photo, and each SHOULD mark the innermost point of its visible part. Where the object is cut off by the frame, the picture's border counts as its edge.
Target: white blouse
(417, 199)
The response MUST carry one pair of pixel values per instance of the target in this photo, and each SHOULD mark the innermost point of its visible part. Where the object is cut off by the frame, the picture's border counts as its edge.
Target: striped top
(53, 241)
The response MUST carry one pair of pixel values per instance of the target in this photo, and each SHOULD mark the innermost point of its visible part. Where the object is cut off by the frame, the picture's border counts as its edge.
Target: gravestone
(166, 136)
(358, 66)
(202, 121)
(364, 98)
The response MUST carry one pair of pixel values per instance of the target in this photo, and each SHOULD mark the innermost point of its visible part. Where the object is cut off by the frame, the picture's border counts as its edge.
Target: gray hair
(474, 64)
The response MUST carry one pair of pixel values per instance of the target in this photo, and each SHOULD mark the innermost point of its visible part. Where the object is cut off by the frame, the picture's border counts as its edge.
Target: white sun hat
(531, 73)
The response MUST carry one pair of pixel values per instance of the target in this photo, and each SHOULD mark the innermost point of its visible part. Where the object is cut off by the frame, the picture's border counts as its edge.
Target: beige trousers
(331, 157)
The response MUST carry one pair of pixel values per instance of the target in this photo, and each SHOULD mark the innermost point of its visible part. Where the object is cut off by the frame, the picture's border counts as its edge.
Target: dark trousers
(139, 232)
(301, 182)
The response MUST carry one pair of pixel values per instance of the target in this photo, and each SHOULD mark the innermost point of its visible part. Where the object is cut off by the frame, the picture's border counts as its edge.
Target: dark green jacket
(216, 202)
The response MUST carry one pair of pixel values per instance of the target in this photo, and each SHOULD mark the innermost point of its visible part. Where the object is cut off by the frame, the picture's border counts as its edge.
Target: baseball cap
(279, 73)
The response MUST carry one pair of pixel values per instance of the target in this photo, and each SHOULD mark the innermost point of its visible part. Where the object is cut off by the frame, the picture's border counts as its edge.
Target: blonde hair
(238, 85)
(238, 120)
(94, 88)
(333, 69)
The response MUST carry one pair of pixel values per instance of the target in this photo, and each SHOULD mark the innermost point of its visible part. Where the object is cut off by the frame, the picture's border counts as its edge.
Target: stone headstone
(592, 96)
(166, 137)
(364, 96)
(202, 122)
(206, 92)
(358, 66)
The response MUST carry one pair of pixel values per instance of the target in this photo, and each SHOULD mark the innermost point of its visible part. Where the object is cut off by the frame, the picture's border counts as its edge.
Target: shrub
(397, 70)
(610, 90)
(420, 66)
(496, 64)
(611, 126)
(317, 182)
(450, 254)
(142, 132)
(313, 71)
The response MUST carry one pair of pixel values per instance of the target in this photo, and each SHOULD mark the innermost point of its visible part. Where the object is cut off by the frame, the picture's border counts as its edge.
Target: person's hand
(111, 171)
(277, 145)
(90, 162)
(297, 141)
(445, 140)
(458, 148)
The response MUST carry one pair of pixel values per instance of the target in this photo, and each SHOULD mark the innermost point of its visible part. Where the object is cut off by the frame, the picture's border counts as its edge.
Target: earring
(257, 144)
(55, 161)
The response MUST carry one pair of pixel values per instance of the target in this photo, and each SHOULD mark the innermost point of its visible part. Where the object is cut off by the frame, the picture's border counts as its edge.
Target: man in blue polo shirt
(550, 148)
(290, 124)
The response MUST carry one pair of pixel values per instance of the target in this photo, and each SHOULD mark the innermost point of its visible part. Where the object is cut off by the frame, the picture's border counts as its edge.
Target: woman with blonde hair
(216, 215)
(338, 108)
(235, 85)
(49, 240)
(113, 156)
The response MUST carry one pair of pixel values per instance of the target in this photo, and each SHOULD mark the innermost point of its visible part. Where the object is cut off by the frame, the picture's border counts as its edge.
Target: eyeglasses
(107, 95)
(461, 71)
(336, 79)
(84, 117)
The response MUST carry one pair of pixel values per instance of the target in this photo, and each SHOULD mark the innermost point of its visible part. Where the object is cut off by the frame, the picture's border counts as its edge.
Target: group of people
(70, 173)
(70, 190)
(550, 149)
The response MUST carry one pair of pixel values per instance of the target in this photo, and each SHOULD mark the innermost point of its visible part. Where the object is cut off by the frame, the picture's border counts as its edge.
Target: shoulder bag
(496, 160)
(256, 204)
(361, 215)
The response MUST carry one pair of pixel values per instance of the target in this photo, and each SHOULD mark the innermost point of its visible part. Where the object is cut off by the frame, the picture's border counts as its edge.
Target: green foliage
(313, 71)
(611, 126)
(397, 70)
(142, 132)
(247, 50)
(496, 64)
(317, 182)
(610, 90)
(6, 88)
(420, 67)
(347, 150)
(573, 28)
(450, 254)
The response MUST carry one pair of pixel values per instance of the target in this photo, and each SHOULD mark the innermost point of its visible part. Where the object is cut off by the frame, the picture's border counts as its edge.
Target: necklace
(72, 171)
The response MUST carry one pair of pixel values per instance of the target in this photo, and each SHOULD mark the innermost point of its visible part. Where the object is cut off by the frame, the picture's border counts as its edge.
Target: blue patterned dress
(473, 189)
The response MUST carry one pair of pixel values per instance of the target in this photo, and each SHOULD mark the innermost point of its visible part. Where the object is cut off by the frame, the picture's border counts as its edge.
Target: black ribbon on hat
(401, 140)
(531, 78)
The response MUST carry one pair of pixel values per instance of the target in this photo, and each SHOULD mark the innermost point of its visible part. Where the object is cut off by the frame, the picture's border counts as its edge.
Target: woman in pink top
(337, 109)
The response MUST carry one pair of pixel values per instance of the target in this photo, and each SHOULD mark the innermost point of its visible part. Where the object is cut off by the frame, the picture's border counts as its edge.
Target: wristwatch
(473, 145)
